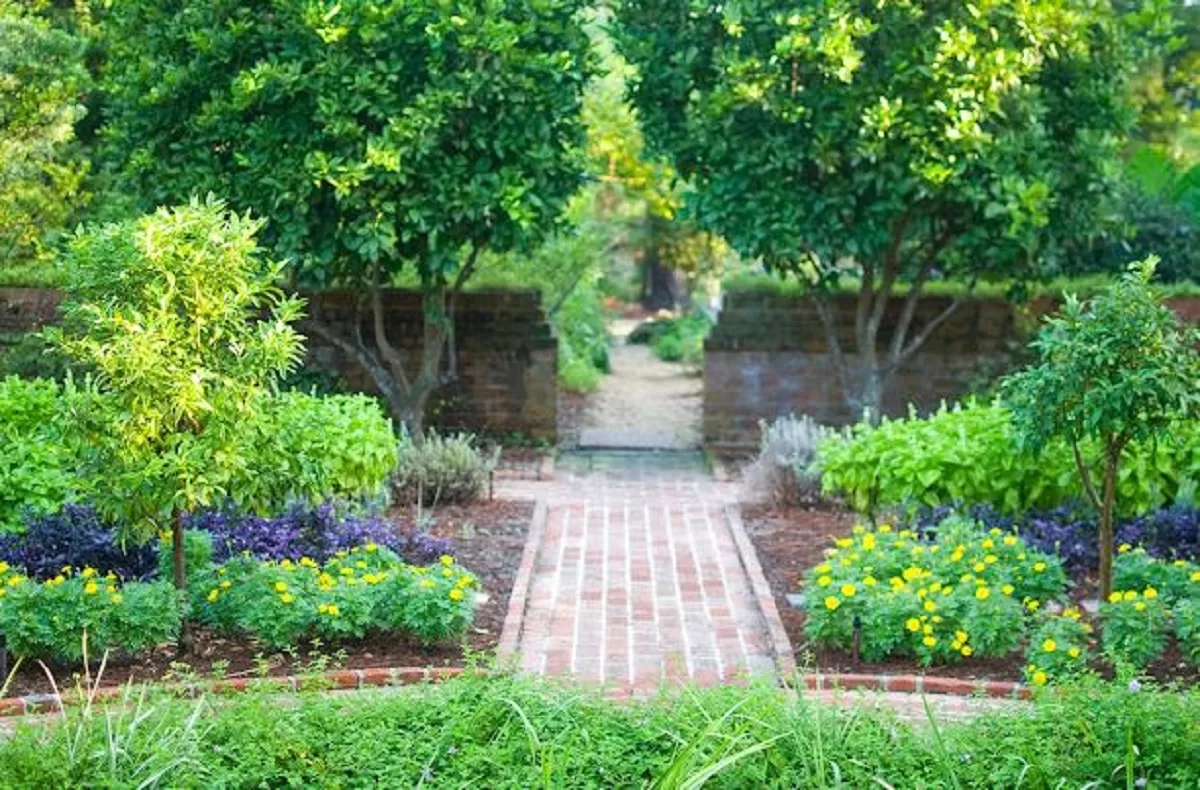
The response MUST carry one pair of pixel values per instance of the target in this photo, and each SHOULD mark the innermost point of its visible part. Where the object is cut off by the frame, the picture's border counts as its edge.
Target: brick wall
(507, 356)
(767, 356)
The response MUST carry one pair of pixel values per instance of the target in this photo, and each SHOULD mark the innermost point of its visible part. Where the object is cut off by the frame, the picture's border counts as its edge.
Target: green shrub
(581, 326)
(968, 454)
(1187, 628)
(309, 448)
(37, 472)
(676, 339)
(442, 469)
(1058, 648)
(962, 593)
(1135, 626)
(49, 620)
(1151, 599)
(578, 375)
(367, 589)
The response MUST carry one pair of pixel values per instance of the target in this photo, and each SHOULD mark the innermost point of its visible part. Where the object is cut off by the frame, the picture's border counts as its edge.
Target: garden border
(785, 657)
(392, 677)
(510, 634)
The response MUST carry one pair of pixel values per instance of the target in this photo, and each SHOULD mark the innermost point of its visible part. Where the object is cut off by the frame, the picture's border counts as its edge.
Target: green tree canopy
(1115, 370)
(886, 142)
(42, 81)
(372, 135)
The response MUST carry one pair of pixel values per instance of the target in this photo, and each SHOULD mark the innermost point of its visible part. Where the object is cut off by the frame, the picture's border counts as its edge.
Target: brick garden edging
(915, 684)
(510, 633)
(785, 657)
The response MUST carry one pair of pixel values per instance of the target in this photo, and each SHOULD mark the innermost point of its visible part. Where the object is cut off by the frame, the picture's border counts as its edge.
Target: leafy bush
(363, 590)
(675, 339)
(442, 469)
(302, 447)
(582, 329)
(49, 620)
(318, 533)
(942, 597)
(1136, 626)
(1187, 628)
(1144, 608)
(517, 733)
(76, 536)
(783, 471)
(37, 470)
(1058, 648)
(968, 454)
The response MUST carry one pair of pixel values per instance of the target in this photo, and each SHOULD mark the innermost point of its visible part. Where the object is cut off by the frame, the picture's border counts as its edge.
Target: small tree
(42, 80)
(181, 317)
(1115, 370)
(376, 135)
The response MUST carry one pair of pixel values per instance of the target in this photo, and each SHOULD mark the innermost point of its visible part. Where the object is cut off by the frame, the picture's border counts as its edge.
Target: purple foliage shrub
(78, 537)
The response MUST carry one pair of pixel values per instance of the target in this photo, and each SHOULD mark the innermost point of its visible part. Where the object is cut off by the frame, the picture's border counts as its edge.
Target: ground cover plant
(506, 732)
(783, 472)
(945, 596)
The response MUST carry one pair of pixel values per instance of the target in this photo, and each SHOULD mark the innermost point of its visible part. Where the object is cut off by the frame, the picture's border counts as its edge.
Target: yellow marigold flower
(956, 556)
(1049, 646)
(1073, 652)
(1038, 567)
(991, 559)
(1179, 563)
(466, 581)
(213, 595)
(988, 544)
(334, 611)
(456, 594)
(868, 541)
(280, 587)
(286, 564)
(371, 548)
(426, 584)
(115, 598)
(896, 582)
(1124, 547)
(929, 641)
(308, 562)
(91, 588)
(947, 590)
(1130, 595)
(934, 549)
(930, 606)
(935, 587)
(885, 527)
(1040, 678)
(1140, 606)
(322, 608)
(937, 618)
(966, 577)
(88, 572)
(832, 603)
(922, 592)
(1021, 556)
(966, 651)
(825, 581)
(911, 572)
(1007, 589)
(225, 584)
(360, 564)
(869, 581)
(824, 568)
(3, 566)
(1114, 597)
(346, 571)
(918, 550)
(844, 543)
(1010, 540)
(927, 629)
(955, 645)
(961, 636)
(849, 590)
(221, 571)
(979, 567)
(1071, 613)
(858, 529)
(110, 589)
(446, 559)
(287, 598)
(982, 593)
(447, 572)
(1150, 593)
(912, 624)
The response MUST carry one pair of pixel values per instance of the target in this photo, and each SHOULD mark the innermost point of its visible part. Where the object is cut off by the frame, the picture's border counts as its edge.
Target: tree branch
(1085, 474)
(393, 359)
(355, 350)
(828, 321)
(908, 311)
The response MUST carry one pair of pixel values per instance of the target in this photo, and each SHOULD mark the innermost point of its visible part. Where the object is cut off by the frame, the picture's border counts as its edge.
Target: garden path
(644, 402)
(639, 575)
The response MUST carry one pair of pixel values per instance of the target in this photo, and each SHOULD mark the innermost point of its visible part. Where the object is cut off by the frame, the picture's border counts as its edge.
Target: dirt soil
(792, 540)
(489, 539)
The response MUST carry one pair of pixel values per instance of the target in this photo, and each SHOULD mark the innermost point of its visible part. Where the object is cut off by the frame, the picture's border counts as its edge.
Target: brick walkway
(638, 577)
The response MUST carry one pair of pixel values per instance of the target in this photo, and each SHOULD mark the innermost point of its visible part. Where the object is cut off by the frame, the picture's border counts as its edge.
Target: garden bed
(789, 541)
(489, 539)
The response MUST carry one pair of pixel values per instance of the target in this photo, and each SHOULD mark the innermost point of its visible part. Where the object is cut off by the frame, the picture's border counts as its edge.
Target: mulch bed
(489, 539)
(789, 541)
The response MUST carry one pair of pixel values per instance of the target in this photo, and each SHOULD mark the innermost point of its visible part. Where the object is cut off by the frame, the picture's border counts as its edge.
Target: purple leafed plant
(317, 533)
(78, 537)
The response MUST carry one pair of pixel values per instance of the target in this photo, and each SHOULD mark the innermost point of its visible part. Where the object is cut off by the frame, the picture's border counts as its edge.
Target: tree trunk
(1107, 511)
(179, 572)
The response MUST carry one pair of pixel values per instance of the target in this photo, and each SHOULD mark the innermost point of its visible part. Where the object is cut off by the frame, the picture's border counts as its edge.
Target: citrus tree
(42, 81)
(373, 135)
(870, 146)
(180, 316)
(1115, 370)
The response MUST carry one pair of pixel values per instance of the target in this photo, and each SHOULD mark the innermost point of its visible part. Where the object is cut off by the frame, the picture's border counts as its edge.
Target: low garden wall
(768, 356)
(507, 357)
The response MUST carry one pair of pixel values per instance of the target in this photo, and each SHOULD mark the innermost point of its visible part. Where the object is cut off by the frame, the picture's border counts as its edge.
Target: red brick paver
(637, 578)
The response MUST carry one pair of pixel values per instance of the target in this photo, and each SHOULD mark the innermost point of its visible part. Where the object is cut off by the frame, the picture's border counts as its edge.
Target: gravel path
(644, 402)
